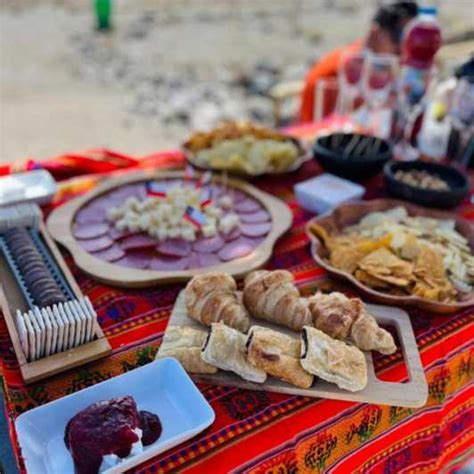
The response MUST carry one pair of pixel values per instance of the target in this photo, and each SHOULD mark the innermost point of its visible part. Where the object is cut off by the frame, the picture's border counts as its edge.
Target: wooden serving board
(61, 220)
(414, 393)
(11, 299)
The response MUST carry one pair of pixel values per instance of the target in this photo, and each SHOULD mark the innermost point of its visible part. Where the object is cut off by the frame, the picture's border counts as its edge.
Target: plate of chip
(244, 149)
(398, 253)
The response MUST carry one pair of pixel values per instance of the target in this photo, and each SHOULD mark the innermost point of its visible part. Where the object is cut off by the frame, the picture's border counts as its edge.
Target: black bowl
(458, 184)
(352, 156)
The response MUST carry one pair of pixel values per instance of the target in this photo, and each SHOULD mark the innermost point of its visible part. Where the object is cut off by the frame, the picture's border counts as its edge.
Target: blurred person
(384, 37)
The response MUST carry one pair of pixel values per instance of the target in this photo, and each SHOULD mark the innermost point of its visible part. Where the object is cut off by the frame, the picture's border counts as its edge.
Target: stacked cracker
(57, 328)
(56, 321)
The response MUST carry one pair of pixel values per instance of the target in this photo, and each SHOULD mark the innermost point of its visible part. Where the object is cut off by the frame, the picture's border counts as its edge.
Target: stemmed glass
(378, 88)
(349, 77)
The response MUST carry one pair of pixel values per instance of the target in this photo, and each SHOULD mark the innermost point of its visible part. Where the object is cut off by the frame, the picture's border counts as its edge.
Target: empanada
(333, 360)
(185, 343)
(225, 349)
(277, 354)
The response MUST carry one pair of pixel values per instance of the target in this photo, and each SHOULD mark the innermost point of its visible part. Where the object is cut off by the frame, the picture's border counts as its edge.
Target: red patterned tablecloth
(258, 431)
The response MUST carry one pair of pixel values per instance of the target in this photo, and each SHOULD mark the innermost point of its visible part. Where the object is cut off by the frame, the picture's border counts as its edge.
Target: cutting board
(413, 393)
(61, 220)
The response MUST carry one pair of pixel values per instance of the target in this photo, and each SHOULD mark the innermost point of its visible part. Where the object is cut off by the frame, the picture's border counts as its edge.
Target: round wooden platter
(351, 213)
(61, 220)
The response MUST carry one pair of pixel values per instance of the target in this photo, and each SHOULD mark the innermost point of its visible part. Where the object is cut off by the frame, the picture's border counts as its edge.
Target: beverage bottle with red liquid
(420, 43)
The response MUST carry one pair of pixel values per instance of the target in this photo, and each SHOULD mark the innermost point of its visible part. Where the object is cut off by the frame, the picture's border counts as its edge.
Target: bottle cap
(427, 11)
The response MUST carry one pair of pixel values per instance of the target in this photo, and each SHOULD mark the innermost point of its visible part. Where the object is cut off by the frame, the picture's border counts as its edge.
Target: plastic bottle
(103, 11)
(434, 134)
(420, 43)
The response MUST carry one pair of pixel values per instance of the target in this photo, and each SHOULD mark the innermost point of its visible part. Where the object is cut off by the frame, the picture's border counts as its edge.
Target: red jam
(151, 426)
(106, 427)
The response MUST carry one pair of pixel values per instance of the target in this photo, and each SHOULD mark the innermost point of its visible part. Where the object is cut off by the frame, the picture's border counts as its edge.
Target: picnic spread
(296, 372)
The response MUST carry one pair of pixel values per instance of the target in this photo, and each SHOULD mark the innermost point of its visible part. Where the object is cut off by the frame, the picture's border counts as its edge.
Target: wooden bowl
(303, 156)
(349, 214)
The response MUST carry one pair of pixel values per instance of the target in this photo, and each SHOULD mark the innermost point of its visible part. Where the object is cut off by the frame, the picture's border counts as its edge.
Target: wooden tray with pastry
(53, 327)
(268, 337)
(149, 227)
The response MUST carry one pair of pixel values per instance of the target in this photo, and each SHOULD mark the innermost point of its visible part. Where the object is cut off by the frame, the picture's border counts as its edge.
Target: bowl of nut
(425, 183)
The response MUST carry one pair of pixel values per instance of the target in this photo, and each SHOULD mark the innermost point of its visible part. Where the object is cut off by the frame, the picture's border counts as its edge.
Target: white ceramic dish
(162, 387)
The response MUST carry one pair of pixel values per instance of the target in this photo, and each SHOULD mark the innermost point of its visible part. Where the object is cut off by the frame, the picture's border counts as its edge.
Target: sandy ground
(61, 82)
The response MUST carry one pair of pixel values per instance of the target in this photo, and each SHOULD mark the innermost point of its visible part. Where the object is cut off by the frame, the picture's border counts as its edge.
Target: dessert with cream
(107, 432)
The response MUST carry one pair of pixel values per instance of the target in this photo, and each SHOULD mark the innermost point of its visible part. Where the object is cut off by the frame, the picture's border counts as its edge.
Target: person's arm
(327, 67)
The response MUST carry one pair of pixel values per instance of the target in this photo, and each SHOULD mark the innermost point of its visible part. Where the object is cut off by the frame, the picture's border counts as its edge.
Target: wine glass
(378, 88)
(350, 75)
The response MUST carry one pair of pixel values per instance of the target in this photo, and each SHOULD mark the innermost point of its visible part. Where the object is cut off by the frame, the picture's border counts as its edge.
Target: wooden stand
(411, 394)
(12, 299)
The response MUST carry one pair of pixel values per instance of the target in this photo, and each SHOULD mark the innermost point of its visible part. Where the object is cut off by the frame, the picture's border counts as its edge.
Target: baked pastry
(348, 319)
(277, 354)
(185, 343)
(274, 297)
(333, 360)
(213, 297)
(225, 349)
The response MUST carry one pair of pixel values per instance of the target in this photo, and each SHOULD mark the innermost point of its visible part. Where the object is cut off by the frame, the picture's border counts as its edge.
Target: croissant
(212, 298)
(273, 296)
(347, 318)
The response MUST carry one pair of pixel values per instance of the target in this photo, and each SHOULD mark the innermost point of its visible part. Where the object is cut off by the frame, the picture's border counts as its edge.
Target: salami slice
(99, 243)
(168, 264)
(208, 259)
(130, 190)
(116, 234)
(235, 249)
(211, 244)
(86, 215)
(248, 205)
(89, 231)
(255, 217)
(137, 241)
(111, 254)
(174, 248)
(140, 259)
(232, 235)
(256, 230)
(238, 196)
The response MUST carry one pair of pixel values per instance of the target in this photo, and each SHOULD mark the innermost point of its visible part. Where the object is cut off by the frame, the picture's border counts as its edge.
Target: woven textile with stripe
(265, 432)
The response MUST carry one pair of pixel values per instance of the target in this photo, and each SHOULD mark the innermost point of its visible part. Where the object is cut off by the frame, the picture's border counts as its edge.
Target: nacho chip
(371, 281)
(382, 260)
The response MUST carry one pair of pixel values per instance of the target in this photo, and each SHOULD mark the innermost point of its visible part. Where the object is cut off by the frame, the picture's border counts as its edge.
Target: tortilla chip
(410, 248)
(346, 258)
(370, 280)
(382, 260)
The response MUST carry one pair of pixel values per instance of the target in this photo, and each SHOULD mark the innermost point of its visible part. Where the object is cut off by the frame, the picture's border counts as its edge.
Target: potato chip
(383, 259)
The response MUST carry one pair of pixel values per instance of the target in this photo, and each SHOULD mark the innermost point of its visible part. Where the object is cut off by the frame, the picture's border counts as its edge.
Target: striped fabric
(263, 432)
